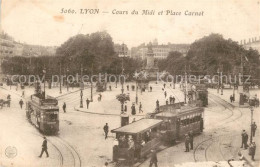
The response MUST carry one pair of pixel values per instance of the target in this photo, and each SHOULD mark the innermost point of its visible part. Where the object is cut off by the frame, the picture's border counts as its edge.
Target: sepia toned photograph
(129, 83)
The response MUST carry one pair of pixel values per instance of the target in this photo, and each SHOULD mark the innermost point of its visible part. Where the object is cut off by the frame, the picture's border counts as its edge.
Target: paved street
(220, 140)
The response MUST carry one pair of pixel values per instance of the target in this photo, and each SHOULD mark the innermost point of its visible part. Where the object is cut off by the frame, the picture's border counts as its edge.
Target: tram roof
(183, 110)
(138, 126)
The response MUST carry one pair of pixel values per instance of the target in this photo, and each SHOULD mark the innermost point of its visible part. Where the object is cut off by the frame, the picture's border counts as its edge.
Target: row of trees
(95, 52)
(211, 54)
(91, 52)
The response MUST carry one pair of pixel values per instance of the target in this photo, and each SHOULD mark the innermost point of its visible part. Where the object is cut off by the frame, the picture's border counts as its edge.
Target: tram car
(43, 113)
(101, 86)
(135, 140)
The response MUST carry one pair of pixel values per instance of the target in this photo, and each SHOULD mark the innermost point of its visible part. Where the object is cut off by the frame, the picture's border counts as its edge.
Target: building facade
(160, 51)
(253, 43)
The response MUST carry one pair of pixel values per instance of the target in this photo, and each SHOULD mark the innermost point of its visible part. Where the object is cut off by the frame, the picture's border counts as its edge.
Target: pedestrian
(140, 108)
(253, 148)
(246, 140)
(87, 101)
(64, 107)
(127, 86)
(157, 105)
(106, 128)
(191, 139)
(167, 102)
(44, 147)
(151, 88)
(173, 100)
(170, 99)
(187, 142)
(253, 129)
(162, 89)
(133, 109)
(153, 159)
(23, 93)
(21, 103)
(110, 88)
(165, 94)
(231, 98)
(100, 96)
(125, 107)
(164, 85)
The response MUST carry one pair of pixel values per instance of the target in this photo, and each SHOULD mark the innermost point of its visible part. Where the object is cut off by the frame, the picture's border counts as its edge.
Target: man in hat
(157, 105)
(21, 103)
(253, 148)
(153, 159)
(140, 108)
(106, 128)
(87, 101)
(44, 147)
(253, 129)
(64, 107)
(133, 109)
(243, 138)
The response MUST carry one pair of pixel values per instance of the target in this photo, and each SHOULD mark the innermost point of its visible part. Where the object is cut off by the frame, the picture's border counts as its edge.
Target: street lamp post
(123, 68)
(221, 88)
(91, 82)
(234, 92)
(44, 73)
(136, 93)
(67, 79)
(185, 90)
(218, 82)
(60, 79)
(81, 98)
(251, 133)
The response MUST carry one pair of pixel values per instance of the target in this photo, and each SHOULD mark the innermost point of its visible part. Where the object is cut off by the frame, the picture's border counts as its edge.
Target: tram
(136, 140)
(179, 122)
(43, 113)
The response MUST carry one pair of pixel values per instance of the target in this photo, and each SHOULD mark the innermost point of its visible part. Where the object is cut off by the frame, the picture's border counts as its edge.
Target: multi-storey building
(160, 51)
(253, 43)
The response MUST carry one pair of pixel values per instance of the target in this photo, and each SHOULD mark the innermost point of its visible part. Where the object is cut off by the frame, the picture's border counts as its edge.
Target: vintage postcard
(129, 83)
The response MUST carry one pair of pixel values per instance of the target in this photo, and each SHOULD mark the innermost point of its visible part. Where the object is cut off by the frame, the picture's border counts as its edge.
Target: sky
(41, 21)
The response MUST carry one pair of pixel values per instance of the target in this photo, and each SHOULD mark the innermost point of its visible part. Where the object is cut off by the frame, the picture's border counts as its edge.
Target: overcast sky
(40, 21)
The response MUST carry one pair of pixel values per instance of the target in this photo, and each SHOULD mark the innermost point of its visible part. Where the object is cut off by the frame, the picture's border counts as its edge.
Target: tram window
(188, 120)
(53, 116)
(192, 118)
